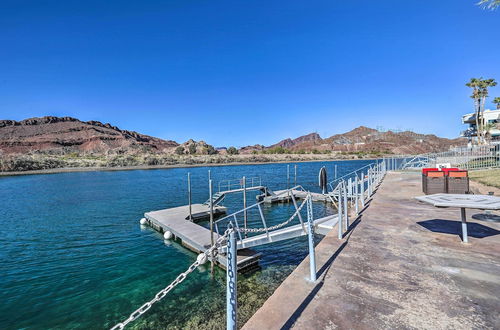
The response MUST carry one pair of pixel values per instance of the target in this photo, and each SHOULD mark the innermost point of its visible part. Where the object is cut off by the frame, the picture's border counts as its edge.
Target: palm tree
(489, 4)
(496, 101)
(479, 94)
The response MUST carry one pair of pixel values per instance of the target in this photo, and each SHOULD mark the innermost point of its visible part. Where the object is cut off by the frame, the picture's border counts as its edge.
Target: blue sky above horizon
(240, 73)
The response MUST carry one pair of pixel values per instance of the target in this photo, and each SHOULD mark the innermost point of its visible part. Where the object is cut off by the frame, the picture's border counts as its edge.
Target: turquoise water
(73, 254)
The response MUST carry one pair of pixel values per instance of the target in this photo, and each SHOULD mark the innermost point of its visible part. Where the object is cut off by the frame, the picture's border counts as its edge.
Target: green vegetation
(232, 151)
(480, 88)
(489, 4)
(192, 149)
(487, 177)
(210, 150)
(496, 101)
(179, 150)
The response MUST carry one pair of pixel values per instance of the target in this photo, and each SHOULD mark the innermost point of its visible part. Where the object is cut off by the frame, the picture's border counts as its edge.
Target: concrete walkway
(402, 266)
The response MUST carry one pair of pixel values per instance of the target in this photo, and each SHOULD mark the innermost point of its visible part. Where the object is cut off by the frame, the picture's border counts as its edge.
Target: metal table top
(483, 202)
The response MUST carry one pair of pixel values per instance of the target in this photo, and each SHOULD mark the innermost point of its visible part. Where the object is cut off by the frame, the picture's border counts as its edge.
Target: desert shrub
(179, 150)
(232, 151)
(192, 149)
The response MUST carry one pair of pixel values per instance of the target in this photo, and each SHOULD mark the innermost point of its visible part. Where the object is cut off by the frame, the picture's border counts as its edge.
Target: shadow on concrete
(475, 230)
(321, 273)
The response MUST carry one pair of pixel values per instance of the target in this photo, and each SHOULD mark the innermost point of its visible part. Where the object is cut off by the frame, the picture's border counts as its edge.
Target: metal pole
(362, 190)
(231, 281)
(356, 193)
(335, 171)
(464, 226)
(189, 197)
(295, 179)
(211, 226)
(312, 256)
(369, 182)
(288, 177)
(245, 205)
(346, 208)
(339, 211)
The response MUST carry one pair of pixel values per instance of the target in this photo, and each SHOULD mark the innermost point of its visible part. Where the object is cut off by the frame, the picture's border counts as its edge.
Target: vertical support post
(362, 190)
(465, 239)
(346, 208)
(288, 177)
(310, 232)
(356, 194)
(340, 211)
(189, 197)
(295, 178)
(245, 205)
(335, 171)
(231, 283)
(211, 227)
(369, 182)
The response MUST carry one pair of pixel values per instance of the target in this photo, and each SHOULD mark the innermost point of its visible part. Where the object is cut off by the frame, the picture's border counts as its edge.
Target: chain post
(231, 282)
(310, 232)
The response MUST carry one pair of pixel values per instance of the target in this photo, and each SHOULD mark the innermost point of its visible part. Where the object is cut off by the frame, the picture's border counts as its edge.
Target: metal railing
(469, 158)
(227, 185)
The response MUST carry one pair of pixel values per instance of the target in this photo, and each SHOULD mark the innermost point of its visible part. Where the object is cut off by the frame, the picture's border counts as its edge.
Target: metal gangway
(234, 186)
(236, 235)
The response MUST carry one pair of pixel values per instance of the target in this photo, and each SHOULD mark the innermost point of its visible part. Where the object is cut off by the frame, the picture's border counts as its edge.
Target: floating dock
(194, 236)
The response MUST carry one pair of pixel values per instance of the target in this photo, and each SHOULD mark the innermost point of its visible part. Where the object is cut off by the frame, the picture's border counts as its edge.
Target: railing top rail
(331, 183)
(253, 205)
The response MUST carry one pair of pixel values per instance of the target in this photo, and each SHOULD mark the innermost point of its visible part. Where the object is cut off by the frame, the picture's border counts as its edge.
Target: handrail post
(189, 197)
(245, 205)
(362, 190)
(211, 226)
(312, 256)
(346, 208)
(339, 212)
(295, 177)
(369, 182)
(231, 283)
(356, 193)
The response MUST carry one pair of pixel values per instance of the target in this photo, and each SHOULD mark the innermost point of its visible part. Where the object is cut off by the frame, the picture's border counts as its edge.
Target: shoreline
(161, 167)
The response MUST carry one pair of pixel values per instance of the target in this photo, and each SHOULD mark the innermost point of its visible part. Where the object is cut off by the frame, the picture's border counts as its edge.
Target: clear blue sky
(246, 72)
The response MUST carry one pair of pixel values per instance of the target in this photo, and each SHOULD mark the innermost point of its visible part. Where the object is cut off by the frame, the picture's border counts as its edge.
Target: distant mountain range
(62, 135)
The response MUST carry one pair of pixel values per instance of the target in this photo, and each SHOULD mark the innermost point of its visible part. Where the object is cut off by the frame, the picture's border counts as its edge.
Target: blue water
(73, 255)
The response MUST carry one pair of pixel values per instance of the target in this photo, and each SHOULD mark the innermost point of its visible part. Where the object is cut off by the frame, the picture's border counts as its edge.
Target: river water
(73, 255)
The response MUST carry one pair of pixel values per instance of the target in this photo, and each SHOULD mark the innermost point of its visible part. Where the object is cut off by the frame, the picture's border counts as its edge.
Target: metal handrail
(238, 183)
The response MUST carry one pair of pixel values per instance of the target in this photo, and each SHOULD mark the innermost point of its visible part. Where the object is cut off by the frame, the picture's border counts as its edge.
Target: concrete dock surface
(403, 265)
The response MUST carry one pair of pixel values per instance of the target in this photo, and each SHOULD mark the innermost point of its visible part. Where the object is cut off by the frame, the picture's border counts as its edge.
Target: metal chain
(160, 295)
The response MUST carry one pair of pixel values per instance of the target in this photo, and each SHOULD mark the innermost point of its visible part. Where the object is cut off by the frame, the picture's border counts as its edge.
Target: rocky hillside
(66, 134)
(364, 139)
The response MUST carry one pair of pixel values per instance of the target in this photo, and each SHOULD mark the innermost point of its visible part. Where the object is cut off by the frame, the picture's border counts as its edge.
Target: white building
(489, 117)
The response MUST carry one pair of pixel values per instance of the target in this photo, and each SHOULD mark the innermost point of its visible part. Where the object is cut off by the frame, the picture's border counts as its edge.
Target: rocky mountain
(289, 143)
(365, 139)
(62, 135)
(67, 134)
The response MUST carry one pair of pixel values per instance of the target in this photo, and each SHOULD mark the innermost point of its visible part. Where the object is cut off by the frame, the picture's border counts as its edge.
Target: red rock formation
(66, 134)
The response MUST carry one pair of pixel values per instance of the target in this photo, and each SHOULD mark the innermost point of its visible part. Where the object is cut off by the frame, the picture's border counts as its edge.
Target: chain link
(160, 295)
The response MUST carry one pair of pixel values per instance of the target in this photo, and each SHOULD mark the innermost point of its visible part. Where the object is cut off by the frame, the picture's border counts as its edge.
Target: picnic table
(482, 202)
